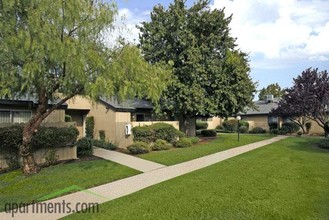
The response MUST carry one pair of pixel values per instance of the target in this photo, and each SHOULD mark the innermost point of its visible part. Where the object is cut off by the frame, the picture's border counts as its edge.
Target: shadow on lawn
(306, 144)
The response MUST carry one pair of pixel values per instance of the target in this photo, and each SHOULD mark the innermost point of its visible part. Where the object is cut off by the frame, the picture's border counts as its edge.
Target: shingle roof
(26, 100)
(127, 105)
(263, 108)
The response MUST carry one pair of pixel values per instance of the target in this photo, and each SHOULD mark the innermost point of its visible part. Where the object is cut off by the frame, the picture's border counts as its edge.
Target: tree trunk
(187, 125)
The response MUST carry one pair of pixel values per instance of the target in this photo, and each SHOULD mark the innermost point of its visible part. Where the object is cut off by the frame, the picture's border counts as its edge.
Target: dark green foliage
(102, 135)
(219, 127)
(274, 131)
(12, 161)
(104, 144)
(85, 147)
(299, 133)
(273, 125)
(244, 123)
(194, 140)
(200, 125)
(231, 125)
(52, 137)
(46, 137)
(161, 145)
(308, 126)
(139, 147)
(290, 127)
(208, 133)
(283, 131)
(324, 143)
(257, 130)
(68, 118)
(183, 142)
(156, 131)
(51, 157)
(211, 75)
(90, 125)
(243, 129)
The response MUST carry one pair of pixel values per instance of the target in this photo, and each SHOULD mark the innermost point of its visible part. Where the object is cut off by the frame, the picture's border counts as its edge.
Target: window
(272, 119)
(14, 116)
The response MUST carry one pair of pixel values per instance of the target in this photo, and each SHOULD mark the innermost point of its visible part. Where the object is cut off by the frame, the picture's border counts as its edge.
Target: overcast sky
(283, 37)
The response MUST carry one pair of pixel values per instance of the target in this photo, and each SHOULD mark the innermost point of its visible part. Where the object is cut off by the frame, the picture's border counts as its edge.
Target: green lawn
(223, 142)
(286, 180)
(15, 187)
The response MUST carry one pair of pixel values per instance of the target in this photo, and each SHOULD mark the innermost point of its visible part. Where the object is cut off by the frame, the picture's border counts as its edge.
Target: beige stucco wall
(257, 121)
(79, 102)
(56, 116)
(214, 122)
(66, 153)
(122, 119)
(316, 129)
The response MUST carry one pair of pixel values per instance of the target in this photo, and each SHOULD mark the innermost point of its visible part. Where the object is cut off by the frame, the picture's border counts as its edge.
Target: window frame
(11, 111)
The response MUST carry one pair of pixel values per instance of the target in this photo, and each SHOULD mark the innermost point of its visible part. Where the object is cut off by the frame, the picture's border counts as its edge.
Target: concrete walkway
(127, 160)
(133, 184)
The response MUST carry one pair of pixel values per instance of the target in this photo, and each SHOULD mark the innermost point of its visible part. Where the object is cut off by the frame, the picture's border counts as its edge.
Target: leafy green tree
(55, 50)
(211, 76)
(272, 89)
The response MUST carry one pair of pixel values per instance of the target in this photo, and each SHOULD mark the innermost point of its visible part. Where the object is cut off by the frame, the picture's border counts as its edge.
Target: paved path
(133, 184)
(127, 160)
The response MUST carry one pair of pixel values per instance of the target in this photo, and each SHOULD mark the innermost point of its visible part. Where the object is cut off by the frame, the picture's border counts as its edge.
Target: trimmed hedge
(46, 137)
(273, 125)
(104, 144)
(194, 140)
(230, 125)
(183, 142)
(85, 147)
(308, 126)
(139, 147)
(257, 130)
(156, 131)
(324, 143)
(161, 145)
(90, 125)
(201, 125)
(243, 129)
(290, 127)
(208, 133)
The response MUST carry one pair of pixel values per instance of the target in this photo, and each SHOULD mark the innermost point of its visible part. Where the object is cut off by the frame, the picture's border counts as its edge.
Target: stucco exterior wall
(122, 119)
(214, 122)
(257, 121)
(56, 116)
(66, 153)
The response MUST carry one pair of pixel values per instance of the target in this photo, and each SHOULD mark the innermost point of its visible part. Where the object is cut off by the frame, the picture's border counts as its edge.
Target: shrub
(85, 147)
(51, 157)
(102, 135)
(90, 125)
(194, 140)
(46, 137)
(326, 129)
(274, 131)
(53, 137)
(243, 129)
(230, 125)
(324, 143)
(156, 131)
(161, 145)
(68, 118)
(257, 130)
(139, 147)
(143, 133)
(308, 126)
(244, 123)
(201, 125)
(183, 142)
(104, 144)
(208, 133)
(299, 133)
(290, 127)
(273, 125)
(12, 161)
(283, 131)
(219, 127)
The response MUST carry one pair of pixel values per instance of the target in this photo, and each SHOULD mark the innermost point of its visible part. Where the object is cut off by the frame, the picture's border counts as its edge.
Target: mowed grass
(15, 187)
(223, 142)
(285, 180)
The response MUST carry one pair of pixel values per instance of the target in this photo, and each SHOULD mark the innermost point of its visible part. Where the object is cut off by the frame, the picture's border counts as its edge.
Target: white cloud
(280, 29)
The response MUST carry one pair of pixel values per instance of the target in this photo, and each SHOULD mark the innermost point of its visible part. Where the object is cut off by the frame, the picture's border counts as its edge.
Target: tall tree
(308, 97)
(55, 50)
(211, 76)
(272, 89)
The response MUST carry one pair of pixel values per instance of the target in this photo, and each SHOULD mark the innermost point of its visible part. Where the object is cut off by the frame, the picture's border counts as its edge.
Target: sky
(282, 37)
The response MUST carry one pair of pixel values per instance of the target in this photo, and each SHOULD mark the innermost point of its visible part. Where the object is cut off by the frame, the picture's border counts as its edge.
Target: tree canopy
(272, 89)
(211, 76)
(55, 49)
(308, 97)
